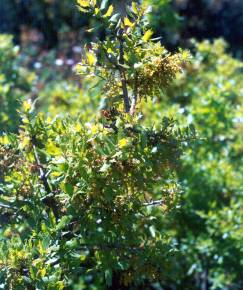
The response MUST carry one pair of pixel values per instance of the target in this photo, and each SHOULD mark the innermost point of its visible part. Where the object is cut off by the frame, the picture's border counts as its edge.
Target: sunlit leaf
(127, 22)
(148, 34)
(109, 11)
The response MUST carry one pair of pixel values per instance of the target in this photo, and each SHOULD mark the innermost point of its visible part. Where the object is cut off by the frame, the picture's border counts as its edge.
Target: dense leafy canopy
(209, 224)
(109, 185)
(88, 201)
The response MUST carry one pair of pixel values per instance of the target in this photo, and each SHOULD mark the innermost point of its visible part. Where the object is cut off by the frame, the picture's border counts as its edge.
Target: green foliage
(97, 198)
(68, 98)
(15, 83)
(209, 230)
(131, 65)
(114, 196)
(214, 184)
(165, 20)
(85, 204)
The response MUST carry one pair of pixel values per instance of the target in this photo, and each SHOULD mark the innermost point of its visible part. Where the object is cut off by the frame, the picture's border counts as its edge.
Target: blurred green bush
(208, 226)
(16, 84)
(175, 20)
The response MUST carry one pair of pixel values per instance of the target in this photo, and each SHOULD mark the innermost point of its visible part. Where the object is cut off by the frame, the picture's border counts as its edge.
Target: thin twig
(110, 247)
(42, 174)
(7, 206)
(154, 203)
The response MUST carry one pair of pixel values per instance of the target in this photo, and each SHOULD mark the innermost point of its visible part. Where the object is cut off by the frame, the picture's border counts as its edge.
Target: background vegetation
(91, 198)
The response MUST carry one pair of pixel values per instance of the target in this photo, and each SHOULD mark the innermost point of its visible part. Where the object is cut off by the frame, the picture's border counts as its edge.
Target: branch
(7, 206)
(123, 73)
(135, 97)
(153, 203)
(110, 247)
(48, 200)
(42, 174)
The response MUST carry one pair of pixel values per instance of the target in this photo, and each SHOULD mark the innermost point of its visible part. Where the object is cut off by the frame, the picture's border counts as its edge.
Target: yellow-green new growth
(129, 63)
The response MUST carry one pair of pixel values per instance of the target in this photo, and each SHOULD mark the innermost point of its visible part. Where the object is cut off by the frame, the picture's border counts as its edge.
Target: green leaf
(127, 22)
(108, 277)
(134, 8)
(152, 231)
(72, 244)
(68, 188)
(109, 11)
(105, 167)
(115, 17)
(84, 3)
(63, 222)
(104, 4)
(148, 34)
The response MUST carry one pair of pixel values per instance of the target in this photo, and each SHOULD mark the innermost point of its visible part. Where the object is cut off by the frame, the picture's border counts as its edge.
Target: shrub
(15, 83)
(214, 182)
(85, 205)
(209, 234)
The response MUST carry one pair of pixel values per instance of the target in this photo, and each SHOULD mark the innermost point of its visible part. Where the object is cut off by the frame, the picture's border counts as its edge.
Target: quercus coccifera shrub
(86, 205)
(208, 230)
(213, 91)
